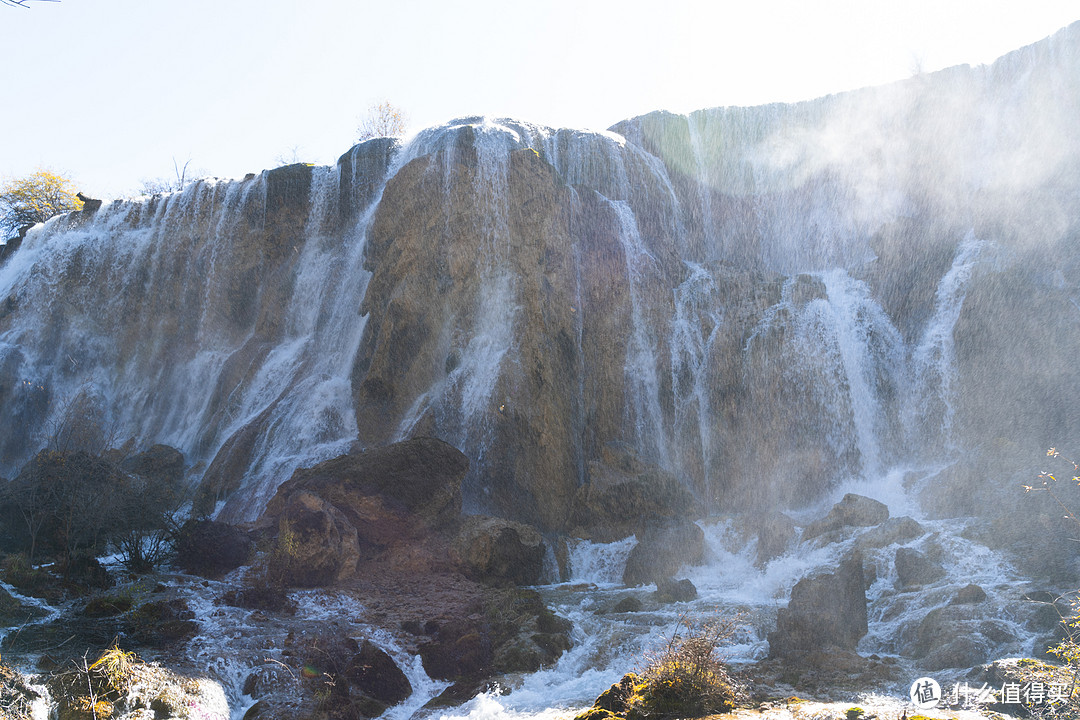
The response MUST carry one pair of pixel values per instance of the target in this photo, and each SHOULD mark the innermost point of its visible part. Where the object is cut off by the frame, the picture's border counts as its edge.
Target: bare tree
(290, 156)
(382, 120)
(183, 178)
(23, 3)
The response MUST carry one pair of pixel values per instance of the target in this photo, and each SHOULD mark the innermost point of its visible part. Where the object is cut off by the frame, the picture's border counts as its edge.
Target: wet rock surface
(853, 511)
(776, 534)
(892, 531)
(957, 636)
(625, 495)
(827, 611)
(914, 568)
(17, 697)
(499, 551)
(662, 551)
(668, 590)
(388, 493)
(212, 549)
(316, 543)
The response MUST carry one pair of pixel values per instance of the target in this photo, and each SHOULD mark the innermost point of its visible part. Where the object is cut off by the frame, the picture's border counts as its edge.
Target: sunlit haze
(112, 91)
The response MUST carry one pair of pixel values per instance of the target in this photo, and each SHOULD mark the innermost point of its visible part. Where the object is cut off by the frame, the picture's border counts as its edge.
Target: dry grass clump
(90, 692)
(684, 679)
(687, 678)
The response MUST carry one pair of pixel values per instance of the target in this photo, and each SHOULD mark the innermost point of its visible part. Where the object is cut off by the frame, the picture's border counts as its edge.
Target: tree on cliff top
(183, 178)
(33, 199)
(382, 120)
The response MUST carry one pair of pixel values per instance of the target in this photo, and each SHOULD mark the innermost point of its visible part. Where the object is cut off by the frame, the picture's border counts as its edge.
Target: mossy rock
(595, 713)
(627, 604)
(615, 701)
(549, 623)
(554, 644)
(107, 606)
(162, 623)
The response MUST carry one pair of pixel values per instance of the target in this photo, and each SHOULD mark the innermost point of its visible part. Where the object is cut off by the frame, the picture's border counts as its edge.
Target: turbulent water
(773, 304)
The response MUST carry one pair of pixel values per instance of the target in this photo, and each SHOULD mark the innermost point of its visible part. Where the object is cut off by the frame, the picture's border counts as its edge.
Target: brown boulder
(668, 590)
(512, 632)
(624, 495)
(316, 543)
(395, 504)
(914, 568)
(160, 463)
(957, 636)
(662, 551)
(853, 510)
(388, 494)
(360, 679)
(499, 551)
(459, 650)
(894, 530)
(376, 674)
(776, 532)
(211, 549)
(970, 594)
(826, 612)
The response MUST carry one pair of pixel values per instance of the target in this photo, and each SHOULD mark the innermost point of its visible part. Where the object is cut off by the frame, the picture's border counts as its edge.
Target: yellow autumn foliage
(382, 120)
(35, 198)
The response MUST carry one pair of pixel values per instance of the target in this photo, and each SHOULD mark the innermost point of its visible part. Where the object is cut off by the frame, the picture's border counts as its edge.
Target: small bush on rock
(686, 678)
(683, 679)
(22, 574)
(90, 692)
(113, 669)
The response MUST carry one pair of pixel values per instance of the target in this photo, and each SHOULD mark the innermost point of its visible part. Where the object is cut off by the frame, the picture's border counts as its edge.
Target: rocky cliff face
(755, 301)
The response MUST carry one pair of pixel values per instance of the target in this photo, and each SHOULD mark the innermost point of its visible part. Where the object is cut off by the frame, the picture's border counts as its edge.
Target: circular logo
(925, 693)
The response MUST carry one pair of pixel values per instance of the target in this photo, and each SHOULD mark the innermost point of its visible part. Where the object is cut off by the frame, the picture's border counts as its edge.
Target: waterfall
(304, 377)
(930, 409)
(641, 369)
(842, 363)
(481, 281)
(695, 327)
(90, 310)
(867, 351)
(768, 305)
(704, 182)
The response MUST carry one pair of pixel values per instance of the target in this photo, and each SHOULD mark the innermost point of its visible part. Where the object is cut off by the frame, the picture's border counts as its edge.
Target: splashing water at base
(607, 643)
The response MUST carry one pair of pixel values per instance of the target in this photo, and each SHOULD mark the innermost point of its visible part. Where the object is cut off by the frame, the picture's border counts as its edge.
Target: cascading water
(930, 411)
(461, 399)
(730, 295)
(863, 353)
(695, 327)
(650, 432)
(304, 376)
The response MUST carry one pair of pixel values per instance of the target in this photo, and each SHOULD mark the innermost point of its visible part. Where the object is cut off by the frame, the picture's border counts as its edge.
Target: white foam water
(608, 643)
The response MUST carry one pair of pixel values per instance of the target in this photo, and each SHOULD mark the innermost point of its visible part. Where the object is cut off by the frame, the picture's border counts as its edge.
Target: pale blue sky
(110, 91)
